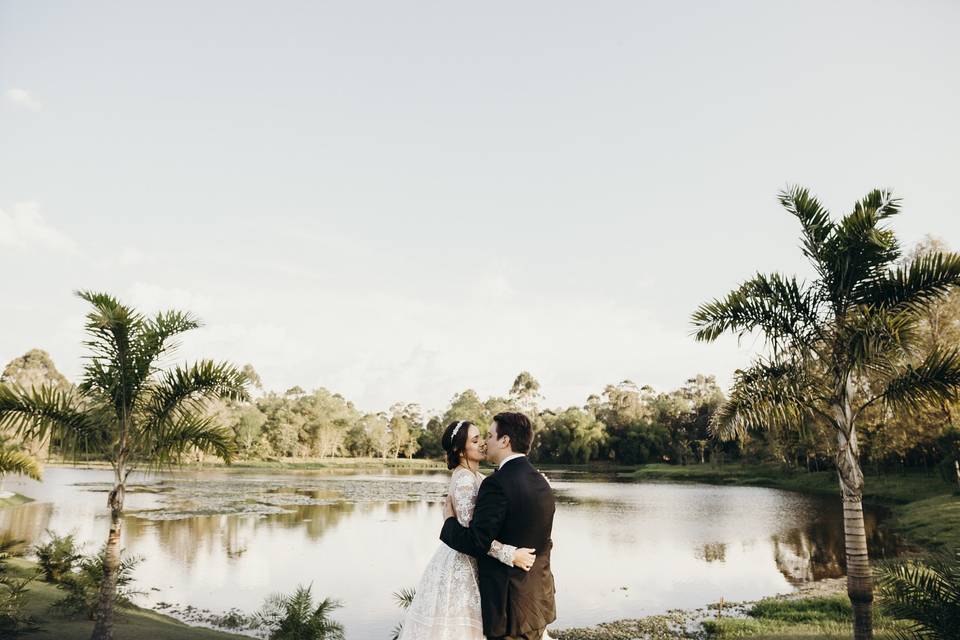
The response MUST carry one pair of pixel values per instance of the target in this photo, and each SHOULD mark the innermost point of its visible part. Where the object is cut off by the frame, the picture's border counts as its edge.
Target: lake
(218, 538)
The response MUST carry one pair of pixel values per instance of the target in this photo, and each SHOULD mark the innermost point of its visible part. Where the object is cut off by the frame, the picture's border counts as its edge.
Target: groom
(515, 506)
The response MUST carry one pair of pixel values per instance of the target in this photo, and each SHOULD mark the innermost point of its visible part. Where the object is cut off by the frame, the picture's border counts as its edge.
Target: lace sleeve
(502, 552)
(463, 488)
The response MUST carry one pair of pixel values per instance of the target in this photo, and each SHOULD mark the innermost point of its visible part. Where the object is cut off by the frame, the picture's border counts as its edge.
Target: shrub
(925, 594)
(13, 600)
(82, 586)
(295, 617)
(13, 594)
(58, 557)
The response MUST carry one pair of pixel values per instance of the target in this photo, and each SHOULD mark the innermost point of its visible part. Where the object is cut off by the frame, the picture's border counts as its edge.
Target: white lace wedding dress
(446, 605)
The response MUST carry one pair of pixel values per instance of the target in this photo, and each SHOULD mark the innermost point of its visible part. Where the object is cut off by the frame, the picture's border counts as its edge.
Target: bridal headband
(455, 429)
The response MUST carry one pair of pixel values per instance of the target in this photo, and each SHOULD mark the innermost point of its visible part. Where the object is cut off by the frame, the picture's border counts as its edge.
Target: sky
(400, 201)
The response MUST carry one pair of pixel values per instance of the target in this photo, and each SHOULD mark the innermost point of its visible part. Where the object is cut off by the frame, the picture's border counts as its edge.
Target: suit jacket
(515, 505)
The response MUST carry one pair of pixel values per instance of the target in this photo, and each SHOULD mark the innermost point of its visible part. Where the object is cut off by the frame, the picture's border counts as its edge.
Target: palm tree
(837, 345)
(129, 409)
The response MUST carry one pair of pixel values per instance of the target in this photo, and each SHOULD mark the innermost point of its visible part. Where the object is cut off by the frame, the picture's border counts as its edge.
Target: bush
(58, 557)
(13, 594)
(82, 586)
(13, 600)
(925, 593)
(294, 617)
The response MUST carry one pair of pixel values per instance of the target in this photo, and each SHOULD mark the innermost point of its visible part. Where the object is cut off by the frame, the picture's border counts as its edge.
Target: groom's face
(495, 446)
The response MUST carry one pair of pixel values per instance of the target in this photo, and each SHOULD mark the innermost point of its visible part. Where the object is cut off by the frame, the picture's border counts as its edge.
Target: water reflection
(712, 552)
(815, 552)
(25, 522)
(218, 539)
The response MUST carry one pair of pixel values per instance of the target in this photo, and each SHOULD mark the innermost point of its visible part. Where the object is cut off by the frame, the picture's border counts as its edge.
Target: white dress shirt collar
(509, 458)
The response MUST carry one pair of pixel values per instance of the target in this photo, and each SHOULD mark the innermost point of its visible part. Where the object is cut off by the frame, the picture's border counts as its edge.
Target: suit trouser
(529, 635)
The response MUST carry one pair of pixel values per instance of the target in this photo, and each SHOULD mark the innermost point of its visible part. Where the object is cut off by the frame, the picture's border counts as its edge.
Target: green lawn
(807, 618)
(132, 624)
(932, 522)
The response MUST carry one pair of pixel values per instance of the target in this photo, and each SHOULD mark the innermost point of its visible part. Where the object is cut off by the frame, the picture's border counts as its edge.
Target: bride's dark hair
(455, 445)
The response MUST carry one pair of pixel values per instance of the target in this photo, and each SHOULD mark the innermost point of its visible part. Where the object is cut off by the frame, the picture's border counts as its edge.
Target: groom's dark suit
(515, 505)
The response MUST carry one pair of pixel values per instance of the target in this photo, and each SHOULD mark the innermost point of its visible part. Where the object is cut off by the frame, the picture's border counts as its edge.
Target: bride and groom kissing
(491, 578)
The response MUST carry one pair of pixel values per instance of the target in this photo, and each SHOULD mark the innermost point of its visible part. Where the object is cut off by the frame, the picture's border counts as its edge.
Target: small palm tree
(926, 593)
(827, 339)
(294, 617)
(129, 409)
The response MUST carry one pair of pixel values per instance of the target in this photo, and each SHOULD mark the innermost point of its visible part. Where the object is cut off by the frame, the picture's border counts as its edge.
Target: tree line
(625, 423)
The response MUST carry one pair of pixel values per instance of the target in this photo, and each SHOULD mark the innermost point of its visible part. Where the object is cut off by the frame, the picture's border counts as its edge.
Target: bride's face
(474, 449)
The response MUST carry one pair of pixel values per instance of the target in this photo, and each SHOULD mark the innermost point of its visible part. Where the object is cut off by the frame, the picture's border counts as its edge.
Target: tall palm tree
(128, 408)
(825, 338)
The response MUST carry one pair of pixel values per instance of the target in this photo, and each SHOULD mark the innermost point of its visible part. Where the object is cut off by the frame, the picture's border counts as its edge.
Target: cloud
(23, 98)
(26, 229)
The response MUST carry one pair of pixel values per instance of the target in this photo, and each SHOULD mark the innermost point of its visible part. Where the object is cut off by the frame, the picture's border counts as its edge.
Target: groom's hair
(518, 427)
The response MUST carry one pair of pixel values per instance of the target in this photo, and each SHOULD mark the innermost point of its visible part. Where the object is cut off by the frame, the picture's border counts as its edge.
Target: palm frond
(404, 597)
(111, 369)
(781, 307)
(913, 286)
(936, 379)
(925, 594)
(768, 395)
(18, 462)
(860, 249)
(875, 339)
(814, 220)
(184, 432)
(36, 412)
(189, 387)
(155, 337)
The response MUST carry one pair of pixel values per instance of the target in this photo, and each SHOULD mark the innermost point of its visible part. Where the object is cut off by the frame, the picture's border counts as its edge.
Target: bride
(446, 605)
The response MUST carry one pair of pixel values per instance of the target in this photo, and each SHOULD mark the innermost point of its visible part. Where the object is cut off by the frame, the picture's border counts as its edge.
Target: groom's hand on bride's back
(524, 558)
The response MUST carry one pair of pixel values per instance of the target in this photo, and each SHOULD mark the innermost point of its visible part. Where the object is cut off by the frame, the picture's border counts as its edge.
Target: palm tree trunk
(859, 577)
(103, 629)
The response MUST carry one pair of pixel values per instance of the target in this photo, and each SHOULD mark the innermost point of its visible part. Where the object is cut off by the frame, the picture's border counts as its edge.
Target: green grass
(932, 522)
(132, 624)
(825, 617)
(14, 500)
